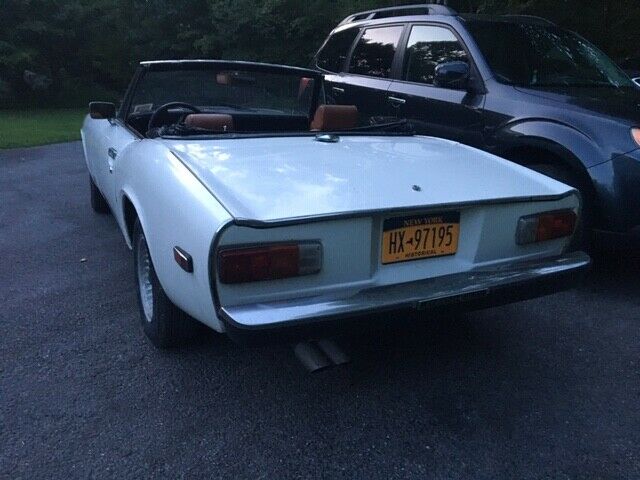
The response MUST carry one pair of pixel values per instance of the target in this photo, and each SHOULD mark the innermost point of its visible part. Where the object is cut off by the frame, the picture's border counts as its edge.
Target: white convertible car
(250, 207)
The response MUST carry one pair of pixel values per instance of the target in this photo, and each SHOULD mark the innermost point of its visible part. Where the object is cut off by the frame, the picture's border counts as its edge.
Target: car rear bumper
(476, 289)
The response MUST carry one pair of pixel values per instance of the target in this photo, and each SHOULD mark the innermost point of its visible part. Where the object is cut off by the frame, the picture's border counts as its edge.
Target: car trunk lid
(271, 180)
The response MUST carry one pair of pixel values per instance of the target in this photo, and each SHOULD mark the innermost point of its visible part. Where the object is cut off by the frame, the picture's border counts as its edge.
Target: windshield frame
(185, 65)
(252, 135)
(545, 25)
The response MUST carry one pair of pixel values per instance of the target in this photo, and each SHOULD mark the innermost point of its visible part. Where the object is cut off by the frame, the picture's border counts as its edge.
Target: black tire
(98, 203)
(582, 237)
(164, 324)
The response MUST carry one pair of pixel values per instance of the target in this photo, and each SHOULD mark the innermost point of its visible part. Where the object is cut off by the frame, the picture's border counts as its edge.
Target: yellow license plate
(420, 236)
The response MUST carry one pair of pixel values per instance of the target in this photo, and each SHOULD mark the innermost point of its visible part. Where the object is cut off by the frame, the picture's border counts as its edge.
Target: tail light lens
(269, 262)
(546, 226)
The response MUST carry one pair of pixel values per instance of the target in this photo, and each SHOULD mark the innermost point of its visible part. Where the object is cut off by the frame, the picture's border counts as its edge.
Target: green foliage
(89, 48)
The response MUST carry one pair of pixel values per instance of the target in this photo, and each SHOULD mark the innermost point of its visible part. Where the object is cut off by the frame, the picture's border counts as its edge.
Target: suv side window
(335, 51)
(373, 55)
(427, 47)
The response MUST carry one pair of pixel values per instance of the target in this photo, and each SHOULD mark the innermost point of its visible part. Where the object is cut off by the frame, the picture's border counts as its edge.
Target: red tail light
(546, 226)
(269, 262)
(556, 225)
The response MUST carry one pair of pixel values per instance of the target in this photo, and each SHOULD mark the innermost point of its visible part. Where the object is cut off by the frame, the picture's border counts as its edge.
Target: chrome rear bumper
(470, 290)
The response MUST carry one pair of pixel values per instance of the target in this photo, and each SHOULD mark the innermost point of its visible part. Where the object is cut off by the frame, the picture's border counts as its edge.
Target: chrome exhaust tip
(334, 352)
(319, 355)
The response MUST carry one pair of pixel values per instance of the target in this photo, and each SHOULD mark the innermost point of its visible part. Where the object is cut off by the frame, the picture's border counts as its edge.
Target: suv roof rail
(401, 11)
(529, 18)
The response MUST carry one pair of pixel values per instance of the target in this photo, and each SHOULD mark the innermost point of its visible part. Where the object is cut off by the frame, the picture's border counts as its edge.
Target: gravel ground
(548, 388)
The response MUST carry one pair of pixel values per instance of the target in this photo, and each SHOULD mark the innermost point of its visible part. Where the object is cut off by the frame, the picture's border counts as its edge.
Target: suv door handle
(337, 90)
(396, 102)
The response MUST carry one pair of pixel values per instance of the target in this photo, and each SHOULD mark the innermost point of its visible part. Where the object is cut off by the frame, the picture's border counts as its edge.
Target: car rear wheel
(98, 202)
(581, 239)
(163, 323)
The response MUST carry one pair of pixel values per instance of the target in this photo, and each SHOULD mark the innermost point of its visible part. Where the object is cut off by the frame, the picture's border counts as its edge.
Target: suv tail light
(269, 262)
(546, 226)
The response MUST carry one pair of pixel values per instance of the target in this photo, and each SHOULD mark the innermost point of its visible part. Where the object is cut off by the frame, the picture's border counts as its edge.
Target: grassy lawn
(27, 128)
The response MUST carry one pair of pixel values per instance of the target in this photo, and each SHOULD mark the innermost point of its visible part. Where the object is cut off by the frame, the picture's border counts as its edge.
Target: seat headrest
(215, 122)
(330, 118)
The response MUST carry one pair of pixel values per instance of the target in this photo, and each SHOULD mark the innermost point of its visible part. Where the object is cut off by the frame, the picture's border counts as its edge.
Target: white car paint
(298, 177)
(221, 192)
(487, 240)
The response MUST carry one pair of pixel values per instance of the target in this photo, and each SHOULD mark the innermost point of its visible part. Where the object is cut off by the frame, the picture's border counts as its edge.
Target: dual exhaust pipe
(319, 355)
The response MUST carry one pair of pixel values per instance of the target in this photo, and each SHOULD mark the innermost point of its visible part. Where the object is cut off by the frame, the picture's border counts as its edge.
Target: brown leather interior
(210, 121)
(331, 118)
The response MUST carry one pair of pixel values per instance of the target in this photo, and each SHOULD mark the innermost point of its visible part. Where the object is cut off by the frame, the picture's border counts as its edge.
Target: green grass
(28, 128)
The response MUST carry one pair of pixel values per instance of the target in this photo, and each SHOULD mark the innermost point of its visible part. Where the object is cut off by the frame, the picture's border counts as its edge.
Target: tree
(89, 48)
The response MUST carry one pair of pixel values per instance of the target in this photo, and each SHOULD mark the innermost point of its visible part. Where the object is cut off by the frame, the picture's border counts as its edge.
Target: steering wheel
(156, 118)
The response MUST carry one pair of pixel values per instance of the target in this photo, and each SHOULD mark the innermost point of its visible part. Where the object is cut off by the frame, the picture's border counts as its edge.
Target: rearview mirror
(102, 110)
(452, 75)
(235, 78)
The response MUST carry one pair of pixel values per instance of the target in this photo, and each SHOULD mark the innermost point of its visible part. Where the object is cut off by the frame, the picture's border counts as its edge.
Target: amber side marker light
(183, 259)
(546, 226)
(269, 262)
(635, 133)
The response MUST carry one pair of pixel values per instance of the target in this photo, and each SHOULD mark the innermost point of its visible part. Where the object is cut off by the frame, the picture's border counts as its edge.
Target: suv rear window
(373, 56)
(335, 51)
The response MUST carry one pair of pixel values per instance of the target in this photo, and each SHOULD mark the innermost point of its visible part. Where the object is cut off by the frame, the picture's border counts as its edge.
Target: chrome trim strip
(213, 263)
(247, 222)
(231, 64)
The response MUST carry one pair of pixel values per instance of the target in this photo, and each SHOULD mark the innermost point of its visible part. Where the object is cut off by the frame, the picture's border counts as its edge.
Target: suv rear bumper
(476, 289)
(617, 183)
(611, 241)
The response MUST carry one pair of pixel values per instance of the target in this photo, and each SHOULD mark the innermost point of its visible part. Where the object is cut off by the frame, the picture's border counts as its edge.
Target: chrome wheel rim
(144, 278)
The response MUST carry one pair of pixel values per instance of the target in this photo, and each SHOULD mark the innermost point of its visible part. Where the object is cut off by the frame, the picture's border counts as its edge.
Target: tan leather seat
(331, 118)
(215, 122)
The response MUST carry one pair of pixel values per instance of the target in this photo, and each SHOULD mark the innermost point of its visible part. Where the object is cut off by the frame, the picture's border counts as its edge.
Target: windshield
(535, 55)
(240, 99)
(235, 89)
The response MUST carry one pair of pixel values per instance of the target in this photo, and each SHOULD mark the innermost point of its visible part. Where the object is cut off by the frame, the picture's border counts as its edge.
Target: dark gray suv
(516, 86)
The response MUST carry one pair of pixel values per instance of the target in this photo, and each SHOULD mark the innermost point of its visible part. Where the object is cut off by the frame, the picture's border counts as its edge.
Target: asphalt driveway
(544, 389)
